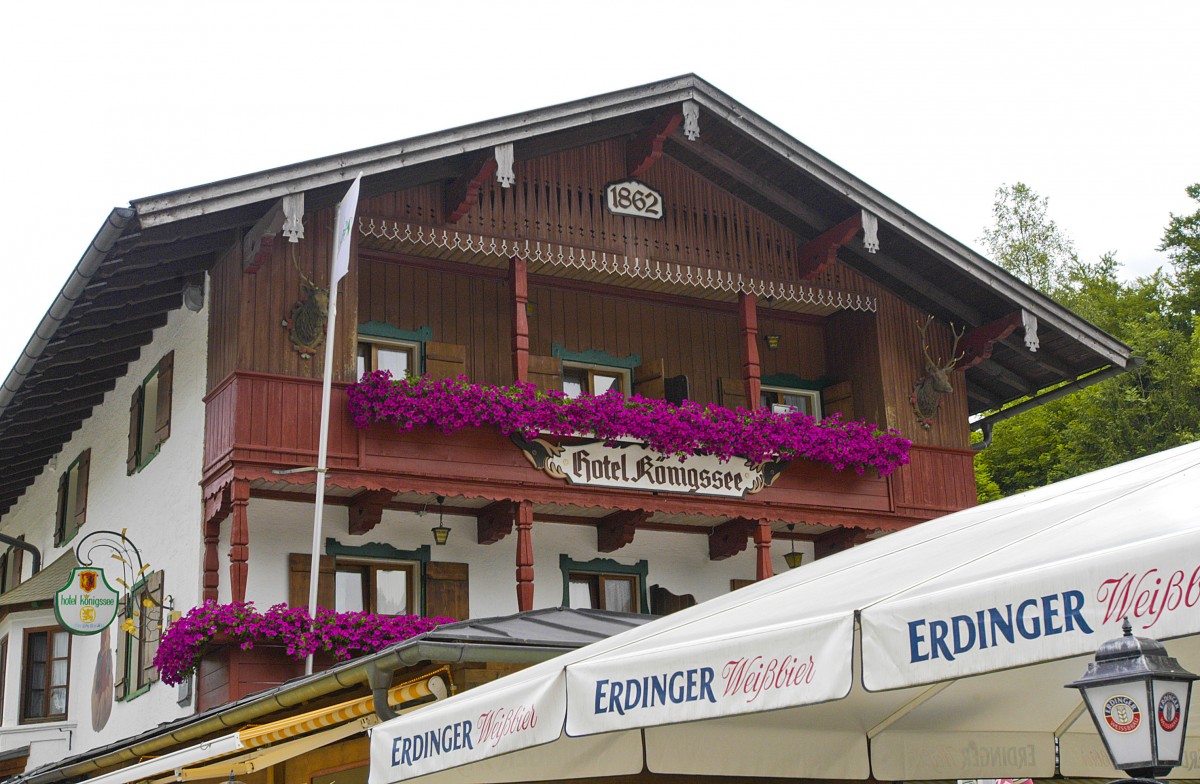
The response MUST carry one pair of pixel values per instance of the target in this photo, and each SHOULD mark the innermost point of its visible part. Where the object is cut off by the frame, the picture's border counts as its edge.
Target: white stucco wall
(161, 508)
(677, 561)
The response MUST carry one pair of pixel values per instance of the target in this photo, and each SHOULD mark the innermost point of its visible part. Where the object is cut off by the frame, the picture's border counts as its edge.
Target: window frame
(623, 375)
(369, 569)
(65, 520)
(607, 567)
(144, 441)
(48, 686)
(415, 349)
(813, 395)
(139, 650)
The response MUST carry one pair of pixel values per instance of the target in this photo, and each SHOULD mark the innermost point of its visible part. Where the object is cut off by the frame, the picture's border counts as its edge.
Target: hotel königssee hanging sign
(87, 604)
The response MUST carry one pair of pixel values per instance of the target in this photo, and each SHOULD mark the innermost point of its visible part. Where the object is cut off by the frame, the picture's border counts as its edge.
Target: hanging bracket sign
(87, 604)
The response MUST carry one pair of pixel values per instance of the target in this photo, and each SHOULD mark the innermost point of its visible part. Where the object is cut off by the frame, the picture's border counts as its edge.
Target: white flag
(345, 230)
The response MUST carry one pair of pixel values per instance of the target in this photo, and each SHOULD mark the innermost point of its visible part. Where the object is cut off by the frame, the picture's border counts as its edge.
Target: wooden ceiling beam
(821, 252)
(616, 530)
(729, 538)
(463, 194)
(839, 539)
(1005, 376)
(495, 521)
(976, 345)
(114, 355)
(644, 149)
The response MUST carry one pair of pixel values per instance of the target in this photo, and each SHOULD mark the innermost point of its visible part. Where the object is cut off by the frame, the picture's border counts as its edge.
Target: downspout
(96, 253)
(27, 547)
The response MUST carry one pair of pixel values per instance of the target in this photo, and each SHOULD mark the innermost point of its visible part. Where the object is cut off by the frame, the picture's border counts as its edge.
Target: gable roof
(133, 273)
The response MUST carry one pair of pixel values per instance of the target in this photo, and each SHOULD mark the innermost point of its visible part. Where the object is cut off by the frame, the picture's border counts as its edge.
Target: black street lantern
(1138, 697)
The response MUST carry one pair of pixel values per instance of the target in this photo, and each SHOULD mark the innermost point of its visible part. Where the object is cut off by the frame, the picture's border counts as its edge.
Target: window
(11, 564)
(150, 415)
(140, 628)
(593, 380)
(617, 592)
(604, 584)
(72, 499)
(46, 676)
(782, 400)
(383, 588)
(402, 358)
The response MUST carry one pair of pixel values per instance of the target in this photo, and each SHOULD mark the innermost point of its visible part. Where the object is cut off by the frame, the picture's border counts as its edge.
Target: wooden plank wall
(224, 298)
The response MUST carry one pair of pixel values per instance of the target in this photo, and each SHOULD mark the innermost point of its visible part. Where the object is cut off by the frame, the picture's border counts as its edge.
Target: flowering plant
(758, 435)
(344, 635)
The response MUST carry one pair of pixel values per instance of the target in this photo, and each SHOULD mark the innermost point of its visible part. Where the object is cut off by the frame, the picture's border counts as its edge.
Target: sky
(936, 104)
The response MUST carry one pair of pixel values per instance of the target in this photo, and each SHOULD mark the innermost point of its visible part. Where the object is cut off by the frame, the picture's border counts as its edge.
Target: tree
(1025, 241)
(1147, 410)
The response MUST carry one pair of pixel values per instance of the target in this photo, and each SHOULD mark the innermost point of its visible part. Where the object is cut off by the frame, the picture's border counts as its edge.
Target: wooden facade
(524, 274)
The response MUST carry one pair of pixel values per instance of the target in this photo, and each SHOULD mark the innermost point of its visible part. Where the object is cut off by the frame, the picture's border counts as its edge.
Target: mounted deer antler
(929, 390)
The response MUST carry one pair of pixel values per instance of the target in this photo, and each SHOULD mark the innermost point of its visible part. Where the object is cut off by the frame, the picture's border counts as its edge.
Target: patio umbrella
(938, 652)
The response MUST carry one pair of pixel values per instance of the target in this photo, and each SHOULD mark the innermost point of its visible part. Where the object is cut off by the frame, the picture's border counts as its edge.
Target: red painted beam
(495, 521)
(822, 251)
(647, 147)
(977, 345)
(729, 538)
(617, 529)
(463, 193)
(366, 510)
(751, 370)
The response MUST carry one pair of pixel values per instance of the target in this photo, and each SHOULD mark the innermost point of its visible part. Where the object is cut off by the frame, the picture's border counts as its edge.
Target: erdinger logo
(1122, 713)
(1168, 711)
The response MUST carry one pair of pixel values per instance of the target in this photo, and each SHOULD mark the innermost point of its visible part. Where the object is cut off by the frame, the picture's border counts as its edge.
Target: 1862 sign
(631, 197)
(634, 467)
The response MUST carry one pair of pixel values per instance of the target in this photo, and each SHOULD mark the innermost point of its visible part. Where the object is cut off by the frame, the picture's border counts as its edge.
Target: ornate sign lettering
(87, 604)
(634, 467)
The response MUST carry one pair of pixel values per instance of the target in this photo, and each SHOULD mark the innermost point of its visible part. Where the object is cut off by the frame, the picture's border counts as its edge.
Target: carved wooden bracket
(463, 193)
(285, 215)
(839, 539)
(729, 538)
(366, 510)
(218, 503)
(617, 529)
(495, 521)
(819, 253)
(977, 345)
(647, 147)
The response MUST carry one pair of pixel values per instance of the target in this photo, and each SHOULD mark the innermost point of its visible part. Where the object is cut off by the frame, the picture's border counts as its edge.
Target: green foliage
(1025, 241)
(1152, 408)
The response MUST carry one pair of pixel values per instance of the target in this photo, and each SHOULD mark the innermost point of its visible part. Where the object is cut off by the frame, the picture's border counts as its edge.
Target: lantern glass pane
(1170, 719)
(1124, 716)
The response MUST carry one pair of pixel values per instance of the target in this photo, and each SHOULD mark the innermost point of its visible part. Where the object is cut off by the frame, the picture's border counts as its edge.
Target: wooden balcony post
(751, 372)
(212, 561)
(519, 287)
(762, 544)
(239, 539)
(524, 556)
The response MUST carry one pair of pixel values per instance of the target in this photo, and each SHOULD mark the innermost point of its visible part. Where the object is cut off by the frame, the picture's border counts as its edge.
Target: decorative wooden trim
(284, 215)
(748, 316)
(617, 529)
(463, 194)
(643, 150)
(366, 510)
(729, 538)
(518, 286)
(641, 570)
(595, 356)
(212, 561)
(821, 252)
(839, 539)
(239, 540)
(792, 381)
(524, 521)
(376, 550)
(495, 521)
(762, 546)
(977, 345)
(381, 329)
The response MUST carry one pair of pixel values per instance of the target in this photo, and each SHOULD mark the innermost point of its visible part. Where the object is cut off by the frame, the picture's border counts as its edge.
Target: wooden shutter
(446, 590)
(60, 511)
(663, 602)
(733, 392)
(649, 379)
(162, 419)
(123, 638)
(445, 360)
(735, 584)
(16, 564)
(79, 506)
(838, 399)
(154, 619)
(135, 421)
(675, 389)
(545, 373)
(298, 566)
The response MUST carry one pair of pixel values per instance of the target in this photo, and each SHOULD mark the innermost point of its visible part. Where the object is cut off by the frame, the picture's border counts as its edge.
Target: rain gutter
(986, 423)
(27, 547)
(96, 253)
(285, 697)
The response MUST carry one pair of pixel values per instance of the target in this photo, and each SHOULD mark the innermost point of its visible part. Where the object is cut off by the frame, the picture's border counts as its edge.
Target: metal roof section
(133, 273)
(42, 586)
(527, 637)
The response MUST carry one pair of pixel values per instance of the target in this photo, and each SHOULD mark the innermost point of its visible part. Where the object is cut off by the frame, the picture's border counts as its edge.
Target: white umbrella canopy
(936, 652)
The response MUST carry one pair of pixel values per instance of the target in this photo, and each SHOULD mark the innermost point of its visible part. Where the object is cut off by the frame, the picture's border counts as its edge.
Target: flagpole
(338, 265)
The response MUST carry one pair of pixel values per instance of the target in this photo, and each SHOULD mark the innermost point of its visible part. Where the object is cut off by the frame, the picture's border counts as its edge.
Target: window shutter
(446, 590)
(16, 564)
(838, 399)
(733, 392)
(649, 379)
(545, 373)
(123, 639)
(61, 511)
(736, 584)
(166, 374)
(135, 420)
(445, 360)
(663, 602)
(79, 508)
(298, 566)
(154, 619)
(675, 389)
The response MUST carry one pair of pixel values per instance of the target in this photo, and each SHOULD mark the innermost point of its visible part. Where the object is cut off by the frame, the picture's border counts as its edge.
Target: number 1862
(634, 198)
